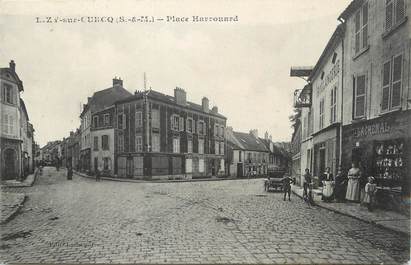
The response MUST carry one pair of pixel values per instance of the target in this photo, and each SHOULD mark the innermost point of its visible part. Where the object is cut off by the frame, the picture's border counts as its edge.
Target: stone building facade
(164, 137)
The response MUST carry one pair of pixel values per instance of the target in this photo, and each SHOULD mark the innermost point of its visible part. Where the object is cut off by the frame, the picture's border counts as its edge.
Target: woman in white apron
(353, 187)
(328, 185)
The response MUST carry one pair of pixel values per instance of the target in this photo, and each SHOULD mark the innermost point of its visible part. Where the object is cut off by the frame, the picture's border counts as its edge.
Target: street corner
(11, 203)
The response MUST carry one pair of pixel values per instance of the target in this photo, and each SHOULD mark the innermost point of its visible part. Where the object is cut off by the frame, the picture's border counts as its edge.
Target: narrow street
(231, 221)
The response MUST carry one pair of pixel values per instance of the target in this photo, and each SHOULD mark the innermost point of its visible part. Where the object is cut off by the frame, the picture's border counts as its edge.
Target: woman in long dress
(353, 187)
(328, 185)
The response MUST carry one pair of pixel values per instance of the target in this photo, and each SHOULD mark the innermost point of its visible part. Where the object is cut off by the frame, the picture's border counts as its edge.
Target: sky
(242, 67)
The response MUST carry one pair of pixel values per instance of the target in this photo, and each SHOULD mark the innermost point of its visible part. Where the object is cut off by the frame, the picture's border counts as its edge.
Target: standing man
(287, 186)
(307, 181)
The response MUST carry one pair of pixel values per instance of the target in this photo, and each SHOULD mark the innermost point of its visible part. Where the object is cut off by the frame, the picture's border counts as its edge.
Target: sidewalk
(387, 219)
(28, 182)
(11, 203)
(151, 181)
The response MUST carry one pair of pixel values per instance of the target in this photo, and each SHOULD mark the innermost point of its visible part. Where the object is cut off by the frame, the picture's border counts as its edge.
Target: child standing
(370, 190)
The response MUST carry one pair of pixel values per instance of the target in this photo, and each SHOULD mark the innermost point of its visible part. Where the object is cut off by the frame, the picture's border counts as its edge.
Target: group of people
(354, 187)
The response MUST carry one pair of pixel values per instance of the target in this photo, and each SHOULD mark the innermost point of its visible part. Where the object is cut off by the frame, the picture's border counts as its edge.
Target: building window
(221, 148)
(359, 96)
(139, 119)
(216, 130)
(176, 145)
(216, 148)
(106, 119)
(333, 114)
(8, 124)
(104, 142)
(321, 113)
(175, 120)
(190, 125)
(222, 131)
(121, 143)
(95, 144)
(95, 121)
(361, 28)
(201, 146)
(391, 84)
(139, 143)
(155, 142)
(155, 118)
(189, 146)
(121, 121)
(201, 127)
(181, 124)
(8, 96)
(394, 13)
(239, 156)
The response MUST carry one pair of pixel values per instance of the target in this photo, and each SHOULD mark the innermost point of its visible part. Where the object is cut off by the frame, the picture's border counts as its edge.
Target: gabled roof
(105, 98)
(8, 70)
(249, 142)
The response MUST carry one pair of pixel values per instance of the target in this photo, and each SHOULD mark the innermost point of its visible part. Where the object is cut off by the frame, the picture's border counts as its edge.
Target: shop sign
(372, 129)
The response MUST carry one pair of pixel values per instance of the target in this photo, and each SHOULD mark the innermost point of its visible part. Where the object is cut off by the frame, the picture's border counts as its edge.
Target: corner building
(163, 137)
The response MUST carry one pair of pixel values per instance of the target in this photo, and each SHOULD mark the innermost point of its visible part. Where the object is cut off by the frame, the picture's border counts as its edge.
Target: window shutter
(181, 124)
(388, 15)
(360, 96)
(399, 11)
(365, 25)
(124, 121)
(386, 76)
(396, 82)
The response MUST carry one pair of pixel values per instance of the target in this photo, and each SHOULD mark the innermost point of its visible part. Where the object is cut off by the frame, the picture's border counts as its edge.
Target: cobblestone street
(231, 221)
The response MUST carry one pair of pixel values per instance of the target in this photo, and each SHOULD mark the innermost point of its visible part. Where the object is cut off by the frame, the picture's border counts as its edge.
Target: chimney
(266, 135)
(254, 133)
(180, 96)
(12, 65)
(214, 110)
(204, 104)
(117, 81)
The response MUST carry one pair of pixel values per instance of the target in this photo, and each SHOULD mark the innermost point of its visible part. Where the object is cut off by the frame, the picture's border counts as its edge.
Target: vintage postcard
(205, 132)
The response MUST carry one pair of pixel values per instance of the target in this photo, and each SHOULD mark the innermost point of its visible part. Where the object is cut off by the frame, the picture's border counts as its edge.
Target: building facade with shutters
(164, 137)
(325, 128)
(376, 113)
(11, 137)
(102, 136)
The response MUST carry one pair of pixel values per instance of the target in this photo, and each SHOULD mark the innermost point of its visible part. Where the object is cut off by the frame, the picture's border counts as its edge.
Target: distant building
(161, 137)
(278, 158)
(247, 154)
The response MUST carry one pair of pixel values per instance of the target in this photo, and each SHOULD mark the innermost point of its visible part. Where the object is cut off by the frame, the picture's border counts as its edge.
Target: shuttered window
(139, 119)
(120, 143)
(333, 106)
(181, 124)
(361, 29)
(139, 143)
(104, 142)
(392, 84)
(394, 13)
(8, 124)
(321, 113)
(175, 119)
(359, 96)
(386, 86)
(155, 118)
(216, 148)
(95, 145)
(189, 146)
(201, 146)
(155, 142)
(8, 95)
(176, 145)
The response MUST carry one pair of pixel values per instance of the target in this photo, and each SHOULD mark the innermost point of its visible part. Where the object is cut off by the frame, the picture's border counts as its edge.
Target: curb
(157, 181)
(14, 213)
(358, 218)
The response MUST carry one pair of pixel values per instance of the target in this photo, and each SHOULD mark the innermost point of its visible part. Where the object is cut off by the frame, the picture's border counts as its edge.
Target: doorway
(129, 167)
(10, 160)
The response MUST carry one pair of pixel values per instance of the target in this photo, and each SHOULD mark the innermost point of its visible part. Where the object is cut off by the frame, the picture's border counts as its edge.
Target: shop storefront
(381, 147)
